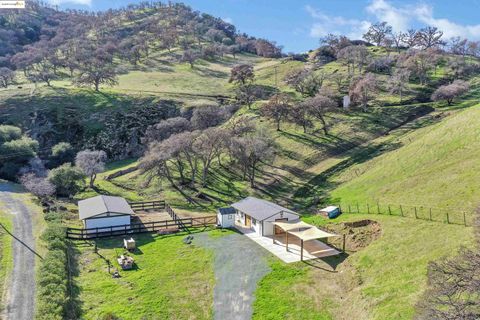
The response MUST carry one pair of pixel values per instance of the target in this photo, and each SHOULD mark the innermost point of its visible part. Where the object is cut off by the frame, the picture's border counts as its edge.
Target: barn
(104, 211)
(259, 215)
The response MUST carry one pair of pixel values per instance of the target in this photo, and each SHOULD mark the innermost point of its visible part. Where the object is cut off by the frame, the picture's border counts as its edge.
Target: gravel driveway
(20, 304)
(239, 264)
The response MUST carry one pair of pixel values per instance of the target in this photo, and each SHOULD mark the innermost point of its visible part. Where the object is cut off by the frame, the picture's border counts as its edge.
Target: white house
(104, 212)
(259, 215)
(226, 217)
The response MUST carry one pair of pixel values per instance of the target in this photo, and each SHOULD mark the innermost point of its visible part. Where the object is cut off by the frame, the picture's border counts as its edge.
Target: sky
(297, 25)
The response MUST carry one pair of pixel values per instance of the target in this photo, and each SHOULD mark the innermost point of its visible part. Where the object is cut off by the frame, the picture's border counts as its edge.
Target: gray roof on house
(260, 209)
(228, 210)
(98, 205)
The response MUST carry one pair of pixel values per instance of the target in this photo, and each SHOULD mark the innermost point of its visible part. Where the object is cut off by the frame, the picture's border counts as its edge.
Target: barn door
(248, 221)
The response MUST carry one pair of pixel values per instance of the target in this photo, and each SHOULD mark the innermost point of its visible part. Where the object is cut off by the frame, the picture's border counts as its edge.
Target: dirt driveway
(239, 264)
(20, 297)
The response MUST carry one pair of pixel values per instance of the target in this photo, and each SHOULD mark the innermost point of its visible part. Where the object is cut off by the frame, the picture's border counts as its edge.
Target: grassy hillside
(434, 166)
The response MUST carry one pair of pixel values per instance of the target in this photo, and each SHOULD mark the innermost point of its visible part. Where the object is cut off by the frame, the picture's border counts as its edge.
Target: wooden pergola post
(286, 239)
(301, 249)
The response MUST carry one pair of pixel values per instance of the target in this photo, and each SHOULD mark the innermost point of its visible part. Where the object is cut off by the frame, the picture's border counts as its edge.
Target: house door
(248, 221)
(279, 230)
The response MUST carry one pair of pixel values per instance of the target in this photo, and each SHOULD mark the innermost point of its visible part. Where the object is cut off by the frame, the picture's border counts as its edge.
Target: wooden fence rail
(137, 228)
(148, 205)
(450, 216)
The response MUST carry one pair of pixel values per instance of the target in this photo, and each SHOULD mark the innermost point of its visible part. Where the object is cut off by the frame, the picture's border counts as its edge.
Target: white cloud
(81, 2)
(400, 17)
(228, 20)
(326, 24)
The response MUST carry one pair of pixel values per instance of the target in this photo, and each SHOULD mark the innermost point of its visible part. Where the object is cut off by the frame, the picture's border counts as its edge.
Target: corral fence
(148, 205)
(450, 216)
(177, 223)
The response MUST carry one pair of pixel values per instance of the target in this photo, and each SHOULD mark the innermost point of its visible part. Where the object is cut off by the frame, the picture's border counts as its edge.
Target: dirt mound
(359, 234)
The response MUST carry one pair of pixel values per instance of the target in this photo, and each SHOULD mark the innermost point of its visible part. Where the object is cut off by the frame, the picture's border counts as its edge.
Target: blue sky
(298, 24)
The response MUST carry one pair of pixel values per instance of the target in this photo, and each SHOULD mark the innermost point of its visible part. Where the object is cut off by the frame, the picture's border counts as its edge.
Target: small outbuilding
(331, 212)
(259, 215)
(104, 212)
(226, 217)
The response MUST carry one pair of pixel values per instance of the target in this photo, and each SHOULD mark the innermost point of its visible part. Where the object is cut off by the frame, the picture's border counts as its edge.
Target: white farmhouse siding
(258, 215)
(107, 222)
(226, 217)
(104, 212)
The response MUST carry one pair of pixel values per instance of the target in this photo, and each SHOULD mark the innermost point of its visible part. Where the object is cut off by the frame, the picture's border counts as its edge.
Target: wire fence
(450, 216)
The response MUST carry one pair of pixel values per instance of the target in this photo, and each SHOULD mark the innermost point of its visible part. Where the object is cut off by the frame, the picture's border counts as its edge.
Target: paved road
(20, 298)
(239, 264)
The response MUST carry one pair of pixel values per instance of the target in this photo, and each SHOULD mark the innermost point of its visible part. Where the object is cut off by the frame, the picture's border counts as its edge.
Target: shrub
(62, 152)
(67, 179)
(52, 294)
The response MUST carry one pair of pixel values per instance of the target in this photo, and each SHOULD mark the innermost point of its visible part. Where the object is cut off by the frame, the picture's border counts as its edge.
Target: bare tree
(353, 56)
(451, 91)
(38, 186)
(398, 39)
(305, 82)
(301, 115)
(91, 162)
(7, 77)
(165, 129)
(398, 82)
(208, 116)
(377, 33)
(319, 106)
(277, 108)
(207, 147)
(429, 37)
(242, 74)
(454, 286)
(252, 152)
(248, 94)
(410, 38)
(362, 90)
(190, 56)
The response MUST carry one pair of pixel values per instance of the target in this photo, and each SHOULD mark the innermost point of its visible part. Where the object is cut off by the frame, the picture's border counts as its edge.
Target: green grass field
(170, 280)
(434, 166)
(6, 259)
(381, 281)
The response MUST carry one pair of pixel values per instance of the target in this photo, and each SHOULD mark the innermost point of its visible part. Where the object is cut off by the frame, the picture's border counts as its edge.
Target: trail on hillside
(20, 296)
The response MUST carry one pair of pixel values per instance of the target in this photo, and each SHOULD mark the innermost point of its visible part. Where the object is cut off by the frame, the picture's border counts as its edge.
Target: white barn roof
(98, 205)
(260, 209)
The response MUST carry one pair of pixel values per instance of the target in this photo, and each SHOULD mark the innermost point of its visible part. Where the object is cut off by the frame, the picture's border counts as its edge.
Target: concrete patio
(313, 249)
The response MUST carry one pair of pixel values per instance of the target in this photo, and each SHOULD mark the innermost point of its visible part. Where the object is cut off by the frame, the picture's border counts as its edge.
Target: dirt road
(20, 297)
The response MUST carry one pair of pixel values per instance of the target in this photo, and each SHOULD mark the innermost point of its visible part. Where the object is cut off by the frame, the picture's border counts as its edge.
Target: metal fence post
(358, 210)
(416, 216)
(431, 214)
(448, 218)
(378, 208)
(368, 208)
(464, 219)
(401, 210)
(389, 210)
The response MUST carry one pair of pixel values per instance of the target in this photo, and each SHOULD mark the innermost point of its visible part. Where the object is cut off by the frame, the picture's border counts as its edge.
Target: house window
(230, 216)
(254, 221)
